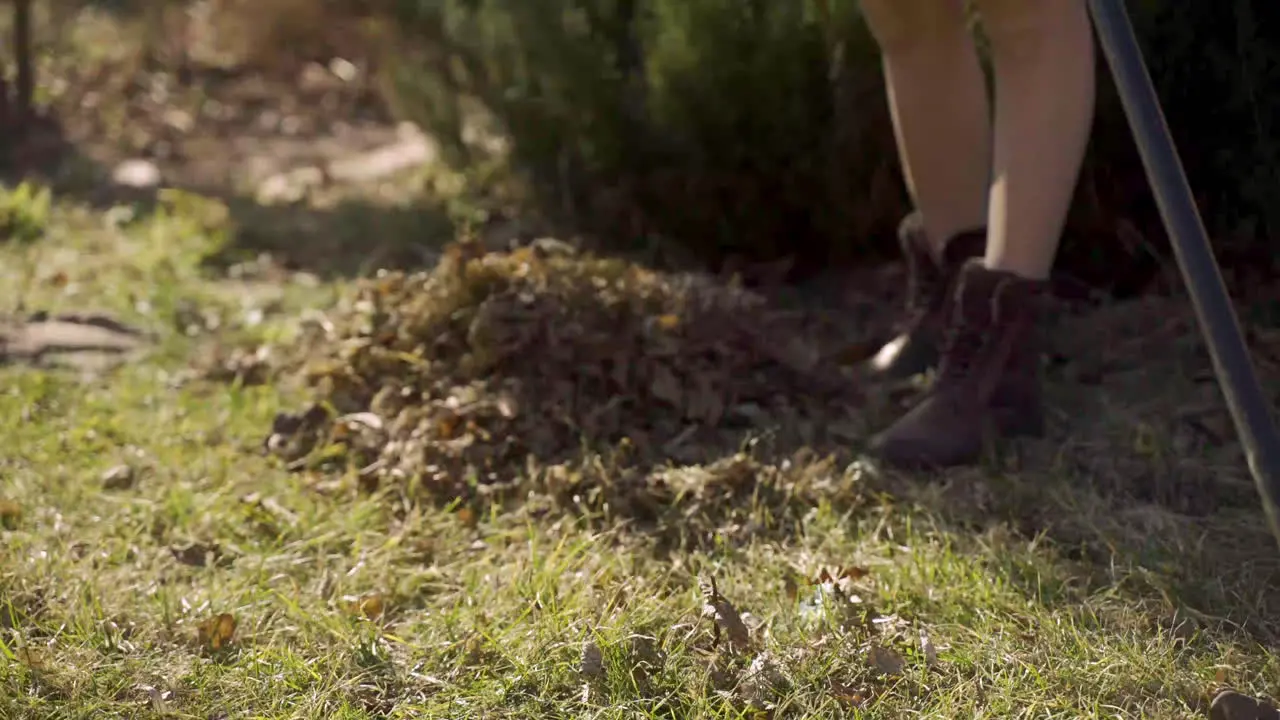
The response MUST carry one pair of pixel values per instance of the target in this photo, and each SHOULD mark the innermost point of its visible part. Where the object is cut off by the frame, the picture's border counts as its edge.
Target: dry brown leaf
(764, 678)
(669, 321)
(592, 661)
(617, 600)
(644, 650)
(508, 406)
(468, 517)
(838, 573)
(666, 387)
(370, 606)
(218, 631)
(34, 658)
(196, 554)
(448, 426)
(159, 700)
(927, 647)
(791, 587)
(853, 697)
(725, 616)
(120, 477)
(705, 403)
(886, 661)
(10, 513)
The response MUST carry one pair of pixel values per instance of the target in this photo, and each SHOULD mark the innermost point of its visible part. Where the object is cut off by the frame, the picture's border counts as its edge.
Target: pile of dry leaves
(593, 381)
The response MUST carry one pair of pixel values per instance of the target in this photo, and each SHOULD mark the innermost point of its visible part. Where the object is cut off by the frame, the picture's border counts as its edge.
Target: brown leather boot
(915, 347)
(1231, 705)
(988, 383)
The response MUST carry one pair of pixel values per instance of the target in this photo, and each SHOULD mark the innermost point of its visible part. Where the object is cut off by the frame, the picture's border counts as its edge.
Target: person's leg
(989, 373)
(941, 119)
(1042, 55)
(940, 108)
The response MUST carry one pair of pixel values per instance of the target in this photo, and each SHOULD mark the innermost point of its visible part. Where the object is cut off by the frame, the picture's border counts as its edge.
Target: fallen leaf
(791, 587)
(886, 661)
(468, 517)
(508, 406)
(370, 606)
(120, 477)
(644, 650)
(666, 387)
(830, 602)
(217, 632)
(725, 615)
(475, 648)
(196, 554)
(722, 676)
(927, 647)
(835, 574)
(855, 698)
(33, 658)
(617, 600)
(763, 679)
(10, 513)
(367, 420)
(158, 699)
(447, 427)
(592, 662)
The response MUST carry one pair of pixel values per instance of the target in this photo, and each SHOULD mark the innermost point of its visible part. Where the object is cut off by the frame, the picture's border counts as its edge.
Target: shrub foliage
(759, 128)
(756, 129)
(729, 126)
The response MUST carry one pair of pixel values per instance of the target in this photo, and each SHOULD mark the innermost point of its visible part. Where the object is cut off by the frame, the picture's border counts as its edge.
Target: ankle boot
(914, 348)
(988, 382)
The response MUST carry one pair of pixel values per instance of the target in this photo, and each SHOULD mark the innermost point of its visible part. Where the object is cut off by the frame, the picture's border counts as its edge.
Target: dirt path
(271, 138)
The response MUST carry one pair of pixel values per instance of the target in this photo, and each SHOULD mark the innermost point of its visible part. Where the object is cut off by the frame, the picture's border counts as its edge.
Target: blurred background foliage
(736, 131)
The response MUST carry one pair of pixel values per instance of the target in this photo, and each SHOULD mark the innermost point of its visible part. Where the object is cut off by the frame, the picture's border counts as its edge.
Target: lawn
(157, 561)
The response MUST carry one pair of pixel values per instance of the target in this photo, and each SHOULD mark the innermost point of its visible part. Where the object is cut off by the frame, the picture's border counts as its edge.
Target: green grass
(1111, 611)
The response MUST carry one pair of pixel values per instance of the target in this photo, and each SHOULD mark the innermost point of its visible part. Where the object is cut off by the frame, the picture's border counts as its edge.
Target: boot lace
(975, 324)
(926, 292)
(962, 344)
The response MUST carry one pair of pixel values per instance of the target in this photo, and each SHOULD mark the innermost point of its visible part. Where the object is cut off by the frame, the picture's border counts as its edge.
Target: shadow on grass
(352, 239)
(1141, 488)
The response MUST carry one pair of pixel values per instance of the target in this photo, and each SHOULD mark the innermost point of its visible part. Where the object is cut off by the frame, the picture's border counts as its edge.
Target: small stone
(120, 477)
(136, 173)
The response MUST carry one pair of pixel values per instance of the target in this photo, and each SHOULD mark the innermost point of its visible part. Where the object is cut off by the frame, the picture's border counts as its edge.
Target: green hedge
(759, 128)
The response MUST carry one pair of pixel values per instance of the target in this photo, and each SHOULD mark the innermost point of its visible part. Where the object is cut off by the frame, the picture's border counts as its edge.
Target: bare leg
(1043, 56)
(938, 99)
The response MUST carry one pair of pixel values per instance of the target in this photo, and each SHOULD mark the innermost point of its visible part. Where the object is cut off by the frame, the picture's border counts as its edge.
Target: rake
(1217, 319)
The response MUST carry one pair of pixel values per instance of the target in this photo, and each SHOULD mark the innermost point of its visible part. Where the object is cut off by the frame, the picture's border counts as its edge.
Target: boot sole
(1008, 423)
